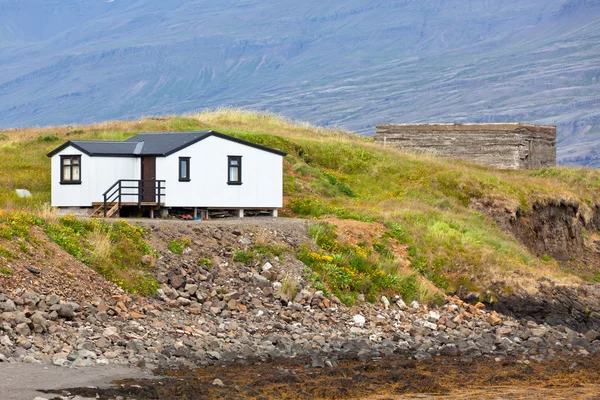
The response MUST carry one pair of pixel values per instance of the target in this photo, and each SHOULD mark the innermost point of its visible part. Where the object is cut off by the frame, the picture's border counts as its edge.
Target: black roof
(151, 144)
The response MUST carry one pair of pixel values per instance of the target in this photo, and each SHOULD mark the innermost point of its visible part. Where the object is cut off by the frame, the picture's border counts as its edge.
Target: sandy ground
(20, 381)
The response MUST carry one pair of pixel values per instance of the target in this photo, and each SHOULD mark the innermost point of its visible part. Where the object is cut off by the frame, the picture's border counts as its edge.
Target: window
(234, 170)
(184, 169)
(70, 169)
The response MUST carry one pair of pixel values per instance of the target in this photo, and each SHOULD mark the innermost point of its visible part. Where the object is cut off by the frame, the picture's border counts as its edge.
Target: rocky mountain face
(353, 63)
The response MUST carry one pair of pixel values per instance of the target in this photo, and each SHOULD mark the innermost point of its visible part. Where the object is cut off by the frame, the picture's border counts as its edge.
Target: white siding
(107, 170)
(261, 186)
(262, 175)
(97, 175)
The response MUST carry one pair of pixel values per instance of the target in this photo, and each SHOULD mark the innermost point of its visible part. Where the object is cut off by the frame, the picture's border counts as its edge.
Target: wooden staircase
(143, 190)
(113, 209)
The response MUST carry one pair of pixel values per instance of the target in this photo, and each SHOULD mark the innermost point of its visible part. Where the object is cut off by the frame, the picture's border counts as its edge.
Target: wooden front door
(148, 174)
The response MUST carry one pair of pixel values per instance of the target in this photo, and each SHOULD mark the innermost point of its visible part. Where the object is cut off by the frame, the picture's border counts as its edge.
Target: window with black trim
(234, 170)
(70, 170)
(184, 169)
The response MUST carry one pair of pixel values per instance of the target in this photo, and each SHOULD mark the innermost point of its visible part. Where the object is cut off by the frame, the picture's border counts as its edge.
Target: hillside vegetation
(421, 203)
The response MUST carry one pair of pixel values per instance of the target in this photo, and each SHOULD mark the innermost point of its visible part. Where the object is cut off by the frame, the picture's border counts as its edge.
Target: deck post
(274, 213)
(241, 213)
(105, 210)
(152, 213)
(195, 213)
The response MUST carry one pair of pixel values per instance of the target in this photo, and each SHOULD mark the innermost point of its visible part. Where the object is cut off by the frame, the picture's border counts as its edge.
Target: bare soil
(46, 268)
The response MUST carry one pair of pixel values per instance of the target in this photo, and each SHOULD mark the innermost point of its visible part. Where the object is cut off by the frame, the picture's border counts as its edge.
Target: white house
(192, 170)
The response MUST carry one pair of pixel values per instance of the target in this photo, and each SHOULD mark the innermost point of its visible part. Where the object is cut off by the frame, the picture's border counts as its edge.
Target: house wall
(504, 146)
(97, 175)
(262, 176)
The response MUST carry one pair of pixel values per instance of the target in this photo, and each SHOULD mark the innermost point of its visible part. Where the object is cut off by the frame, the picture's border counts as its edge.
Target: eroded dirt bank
(568, 232)
(390, 378)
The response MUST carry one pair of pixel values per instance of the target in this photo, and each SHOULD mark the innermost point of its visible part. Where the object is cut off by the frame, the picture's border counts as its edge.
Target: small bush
(289, 286)
(3, 137)
(48, 138)
(204, 261)
(6, 253)
(5, 271)
(243, 256)
(177, 246)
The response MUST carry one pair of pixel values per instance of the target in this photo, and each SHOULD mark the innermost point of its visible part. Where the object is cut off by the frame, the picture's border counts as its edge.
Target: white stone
(359, 320)
(23, 193)
(415, 305)
(267, 267)
(385, 301)
(433, 316)
(401, 304)
(430, 325)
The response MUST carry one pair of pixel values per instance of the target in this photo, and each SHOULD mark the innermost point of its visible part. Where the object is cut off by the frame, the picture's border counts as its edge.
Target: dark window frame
(239, 167)
(62, 169)
(187, 167)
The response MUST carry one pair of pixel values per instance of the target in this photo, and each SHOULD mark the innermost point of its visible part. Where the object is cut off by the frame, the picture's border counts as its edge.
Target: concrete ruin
(504, 146)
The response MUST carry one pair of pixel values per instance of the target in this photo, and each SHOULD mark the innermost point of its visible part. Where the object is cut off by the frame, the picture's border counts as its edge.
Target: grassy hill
(422, 204)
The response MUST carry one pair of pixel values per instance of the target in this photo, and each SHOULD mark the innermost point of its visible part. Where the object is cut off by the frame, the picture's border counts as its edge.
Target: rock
(52, 300)
(182, 301)
(8, 306)
(415, 304)
(86, 354)
(433, 316)
(23, 329)
(147, 260)
(218, 382)
(40, 325)
(191, 288)
(214, 355)
(111, 333)
(177, 281)
(386, 302)
(66, 310)
(317, 361)
(401, 304)
(5, 341)
(102, 343)
(359, 320)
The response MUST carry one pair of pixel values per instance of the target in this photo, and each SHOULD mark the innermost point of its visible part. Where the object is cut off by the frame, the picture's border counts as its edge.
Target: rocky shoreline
(258, 323)
(225, 312)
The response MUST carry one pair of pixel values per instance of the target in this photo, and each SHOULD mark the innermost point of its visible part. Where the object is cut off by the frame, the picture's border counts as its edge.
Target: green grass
(177, 246)
(120, 261)
(423, 201)
(348, 270)
(244, 256)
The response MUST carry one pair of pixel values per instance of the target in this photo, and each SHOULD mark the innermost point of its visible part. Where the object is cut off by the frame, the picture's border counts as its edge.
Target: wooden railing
(142, 189)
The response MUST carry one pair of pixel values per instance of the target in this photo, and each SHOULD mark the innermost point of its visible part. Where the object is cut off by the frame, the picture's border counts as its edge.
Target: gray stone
(40, 325)
(66, 311)
(177, 281)
(23, 329)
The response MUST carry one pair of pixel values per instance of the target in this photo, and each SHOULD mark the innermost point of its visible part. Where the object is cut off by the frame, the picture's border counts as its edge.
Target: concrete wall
(504, 146)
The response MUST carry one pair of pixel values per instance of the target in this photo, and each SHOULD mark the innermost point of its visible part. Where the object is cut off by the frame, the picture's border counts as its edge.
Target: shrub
(3, 137)
(48, 138)
(6, 271)
(243, 256)
(204, 261)
(177, 246)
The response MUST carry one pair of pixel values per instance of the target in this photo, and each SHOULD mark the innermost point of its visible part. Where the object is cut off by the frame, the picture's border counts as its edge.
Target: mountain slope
(351, 64)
